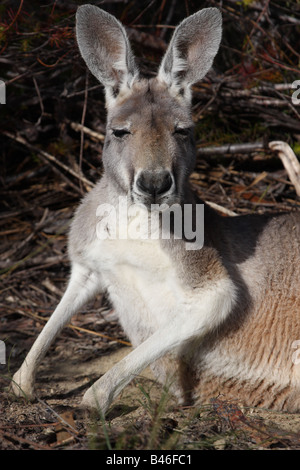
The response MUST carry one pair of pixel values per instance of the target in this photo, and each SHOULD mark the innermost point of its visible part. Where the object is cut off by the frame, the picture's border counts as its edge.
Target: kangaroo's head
(149, 149)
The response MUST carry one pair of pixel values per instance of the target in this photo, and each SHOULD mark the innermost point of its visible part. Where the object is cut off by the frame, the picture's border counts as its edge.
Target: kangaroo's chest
(142, 283)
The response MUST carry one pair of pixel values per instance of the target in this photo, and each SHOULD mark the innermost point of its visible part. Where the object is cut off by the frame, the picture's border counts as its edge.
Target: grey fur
(104, 46)
(192, 49)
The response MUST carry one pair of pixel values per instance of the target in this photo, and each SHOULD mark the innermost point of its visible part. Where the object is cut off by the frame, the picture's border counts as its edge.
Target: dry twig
(49, 158)
(289, 161)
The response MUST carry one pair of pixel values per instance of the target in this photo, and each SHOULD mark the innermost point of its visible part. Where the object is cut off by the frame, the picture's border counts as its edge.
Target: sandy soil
(143, 417)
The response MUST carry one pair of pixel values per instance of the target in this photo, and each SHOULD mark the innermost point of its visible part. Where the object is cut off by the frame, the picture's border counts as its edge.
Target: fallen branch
(289, 160)
(15, 438)
(86, 130)
(222, 209)
(77, 328)
(231, 148)
(49, 158)
(285, 153)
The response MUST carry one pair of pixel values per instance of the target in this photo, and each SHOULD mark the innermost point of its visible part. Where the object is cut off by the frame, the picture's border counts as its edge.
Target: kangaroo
(218, 314)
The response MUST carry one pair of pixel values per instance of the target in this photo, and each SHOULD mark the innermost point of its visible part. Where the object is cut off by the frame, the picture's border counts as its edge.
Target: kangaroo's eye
(120, 133)
(184, 131)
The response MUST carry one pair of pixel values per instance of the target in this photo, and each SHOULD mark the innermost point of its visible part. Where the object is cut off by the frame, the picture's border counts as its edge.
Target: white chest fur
(141, 281)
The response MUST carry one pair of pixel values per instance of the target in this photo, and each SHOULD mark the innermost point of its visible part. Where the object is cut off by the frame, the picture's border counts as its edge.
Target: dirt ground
(144, 416)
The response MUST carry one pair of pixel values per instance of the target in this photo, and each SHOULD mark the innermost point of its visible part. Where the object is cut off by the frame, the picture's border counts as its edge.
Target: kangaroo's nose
(154, 182)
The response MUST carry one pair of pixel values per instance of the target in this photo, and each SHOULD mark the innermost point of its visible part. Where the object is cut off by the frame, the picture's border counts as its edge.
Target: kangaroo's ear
(192, 49)
(104, 45)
